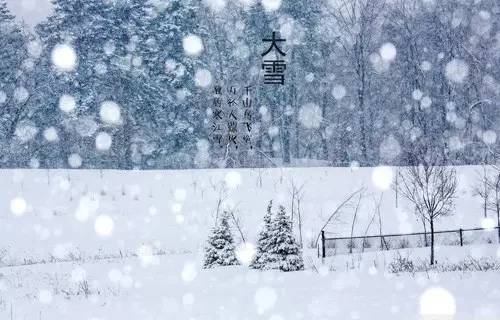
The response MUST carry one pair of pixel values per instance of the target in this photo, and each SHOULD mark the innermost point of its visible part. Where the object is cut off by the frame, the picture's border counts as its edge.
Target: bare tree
(494, 203)
(297, 194)
(432, 190)
(483, 190)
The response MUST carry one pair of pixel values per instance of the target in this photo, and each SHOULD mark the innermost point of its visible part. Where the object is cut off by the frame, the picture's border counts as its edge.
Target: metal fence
(331, 246)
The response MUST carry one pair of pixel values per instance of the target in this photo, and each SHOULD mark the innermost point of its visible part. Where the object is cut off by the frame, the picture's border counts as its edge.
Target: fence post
(323, 252)
(461, 238)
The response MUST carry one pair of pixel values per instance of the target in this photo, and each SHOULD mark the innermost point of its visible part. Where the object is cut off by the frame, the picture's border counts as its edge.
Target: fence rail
(341, 245)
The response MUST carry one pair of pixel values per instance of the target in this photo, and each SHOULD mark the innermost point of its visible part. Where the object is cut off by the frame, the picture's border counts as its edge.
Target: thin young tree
(494, 204)
(431, 189)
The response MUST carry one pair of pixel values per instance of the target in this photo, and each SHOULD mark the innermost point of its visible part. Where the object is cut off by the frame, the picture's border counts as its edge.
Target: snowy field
(174, 287)
(83, 212)
(102, 245)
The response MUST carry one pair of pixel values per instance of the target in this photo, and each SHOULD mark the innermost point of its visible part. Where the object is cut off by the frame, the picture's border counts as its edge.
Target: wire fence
(460, 237)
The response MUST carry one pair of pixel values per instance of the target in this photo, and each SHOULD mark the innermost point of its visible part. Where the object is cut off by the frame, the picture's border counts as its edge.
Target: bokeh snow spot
(390, 148)
(64, 57)
(310, 116)
(382, 177)
(437, 303)
(339, 92)
(75, 161)
(193, 45)
(21, 94)
(233, 179)
(146, 256)
(103, 141)
(180, 194)
(271, 5)
(245, 253)
(45, 296)
(67, 103)
(3, 97)
(104, 225)
(189, 272)
(388, 51)
(489, 137)
(488, 223)
(86, 208)
(18, 206)
(417, 94)
(215, 5)
(50, 134)
(110, 112)
(456, 70)
(25, 131)
(265, 299)
(203, 78)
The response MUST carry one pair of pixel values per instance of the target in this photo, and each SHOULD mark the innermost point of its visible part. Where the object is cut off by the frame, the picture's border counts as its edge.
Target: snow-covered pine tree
(220, 246)
(14, 70)
(262, 257)
(284, 252)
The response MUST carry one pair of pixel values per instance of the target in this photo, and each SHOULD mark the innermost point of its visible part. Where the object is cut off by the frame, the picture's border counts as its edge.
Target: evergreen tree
(220, 246)
(284, 252)
(262, 257)
(15, 66)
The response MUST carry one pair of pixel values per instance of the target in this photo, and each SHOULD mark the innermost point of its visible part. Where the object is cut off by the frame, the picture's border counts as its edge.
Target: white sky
(31, 11)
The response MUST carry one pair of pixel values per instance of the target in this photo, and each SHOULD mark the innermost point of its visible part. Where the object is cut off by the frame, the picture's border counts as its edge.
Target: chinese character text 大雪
(274, 70)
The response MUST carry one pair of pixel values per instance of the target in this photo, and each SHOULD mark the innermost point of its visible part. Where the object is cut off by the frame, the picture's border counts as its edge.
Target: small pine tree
(220, 246)
(262, 257)
(285, 253)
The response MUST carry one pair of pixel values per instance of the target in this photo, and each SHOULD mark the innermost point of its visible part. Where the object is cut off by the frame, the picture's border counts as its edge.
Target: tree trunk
(432, 241)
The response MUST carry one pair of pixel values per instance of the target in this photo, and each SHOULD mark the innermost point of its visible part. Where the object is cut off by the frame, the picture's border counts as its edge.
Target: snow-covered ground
(96, 220)
(174, 287)
(86, 212)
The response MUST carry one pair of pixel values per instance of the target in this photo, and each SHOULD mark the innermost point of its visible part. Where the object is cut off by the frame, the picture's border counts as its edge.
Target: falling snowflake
(64, 57)
(390, 148)
(388, 51)
(25, 131)
(110, 112)
(203, 78)
(3, 97)
(310, 116)
(45, 296)
(245, 253)
(50, 134)
(456, 70)
(215, 5)
(18, 206)
(382, 177)
(233, 179)
(75, 161)
(67, 103)
(189, 272)
(104, 225)
(437, 303)
(21, 94)
(339, 92)
(192, 44)
(488, 223)
(271, 5)
(103, 141)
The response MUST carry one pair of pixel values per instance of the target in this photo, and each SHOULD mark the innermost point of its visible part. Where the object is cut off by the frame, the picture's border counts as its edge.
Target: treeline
(367, 81)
